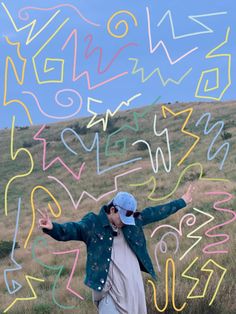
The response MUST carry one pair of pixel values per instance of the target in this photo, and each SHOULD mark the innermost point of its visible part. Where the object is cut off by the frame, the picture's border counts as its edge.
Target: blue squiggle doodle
(89, 149)
(16, 285)
(207, 131)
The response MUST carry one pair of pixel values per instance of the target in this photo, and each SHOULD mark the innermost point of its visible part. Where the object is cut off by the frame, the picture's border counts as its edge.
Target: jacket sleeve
(156, 213)
(79, 231)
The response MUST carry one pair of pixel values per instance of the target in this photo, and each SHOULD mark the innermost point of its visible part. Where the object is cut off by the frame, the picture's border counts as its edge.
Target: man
(116, 249)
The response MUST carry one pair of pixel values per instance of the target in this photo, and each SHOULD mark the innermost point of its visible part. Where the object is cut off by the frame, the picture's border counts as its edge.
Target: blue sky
(186, 40)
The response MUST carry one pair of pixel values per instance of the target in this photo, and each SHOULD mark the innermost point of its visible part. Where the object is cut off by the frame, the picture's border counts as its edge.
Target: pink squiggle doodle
(72, 271)
(24, 16)
(57, 159)
(163, 247)
(85, 73)
(71, 102)
(153, 49)
(76, 205)
(225, 236)
(190, 221)
(100, 52)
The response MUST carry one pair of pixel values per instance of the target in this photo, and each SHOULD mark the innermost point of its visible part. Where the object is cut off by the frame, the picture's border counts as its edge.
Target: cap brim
(126, 220)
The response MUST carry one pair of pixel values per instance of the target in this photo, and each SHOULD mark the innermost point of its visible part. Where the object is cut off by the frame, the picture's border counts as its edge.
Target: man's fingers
(46, 213)
(41, 213)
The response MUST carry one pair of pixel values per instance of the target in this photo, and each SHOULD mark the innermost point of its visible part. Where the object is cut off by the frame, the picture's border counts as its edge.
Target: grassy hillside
(212, 173)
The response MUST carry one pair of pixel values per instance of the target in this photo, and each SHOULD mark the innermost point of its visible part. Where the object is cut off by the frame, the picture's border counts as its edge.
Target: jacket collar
(103, 217)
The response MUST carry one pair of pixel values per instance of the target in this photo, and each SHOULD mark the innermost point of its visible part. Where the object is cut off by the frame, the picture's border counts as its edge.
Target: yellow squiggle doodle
(33, 209)
(31, 24)
(152, 180)
(189, 110)
(121, 22)
(61, 61)
(203, 268)
(168, 261)
(27, 277)
(13, 157)
(216, 70)
(19, 80)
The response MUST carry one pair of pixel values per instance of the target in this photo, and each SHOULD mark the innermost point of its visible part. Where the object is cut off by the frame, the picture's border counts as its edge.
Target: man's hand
(45, 221)
(187, 197)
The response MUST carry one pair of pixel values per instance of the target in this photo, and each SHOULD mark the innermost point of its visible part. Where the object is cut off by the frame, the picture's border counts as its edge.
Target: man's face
(115, 218)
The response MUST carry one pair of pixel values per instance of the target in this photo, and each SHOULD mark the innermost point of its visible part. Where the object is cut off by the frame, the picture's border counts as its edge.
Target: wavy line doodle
(85, 73)
(88, 53)
(24, 15)
(216, 71)
(197, 138)
(13, 157)
(58, 102)
(172, 263)
(153, 180)
(59, 270)
(40, 187)
(32, 24)
(123, 142)
(89, 149)
(120, 23)
(208, 30)
(85, 193)
(207, 131)
(28, 278)
(36, 137)
(55, 60)
(158, 150)
(203, 268)
(109, 113)
(157, 70)
(161, 43)
(208, 233)
(16, 285)
(19, 80)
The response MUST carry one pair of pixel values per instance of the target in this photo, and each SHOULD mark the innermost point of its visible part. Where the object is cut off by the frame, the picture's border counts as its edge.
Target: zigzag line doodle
(24, 9)
(88, 53)
(216, 71)
(121, 22)
(172, 263)
(59, 269)
(89, 149)
(157, 70)
(158, 150)
(225, 236)
(85, 193)
(40, 187)
(190, 111)
(19, 80)
(203, 268)
(153, 180)
(85, 73)
(58, 103)
(108, 113)
(31, 25)
(123, 141)
(225, 145)
(13, 157)
(160, 42)
(57, 60)
(16, 285)
(34, 297)
(208, 30)
(56, 159)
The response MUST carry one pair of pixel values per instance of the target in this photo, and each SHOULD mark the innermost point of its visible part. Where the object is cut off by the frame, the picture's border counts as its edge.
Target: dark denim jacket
(95, 231)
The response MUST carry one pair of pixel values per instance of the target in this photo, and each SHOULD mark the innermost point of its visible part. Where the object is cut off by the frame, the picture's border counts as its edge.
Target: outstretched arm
(159, 212)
